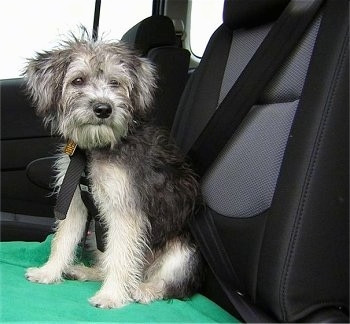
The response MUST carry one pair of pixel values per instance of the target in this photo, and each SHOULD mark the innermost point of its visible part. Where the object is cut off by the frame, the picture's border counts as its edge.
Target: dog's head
(91, 92)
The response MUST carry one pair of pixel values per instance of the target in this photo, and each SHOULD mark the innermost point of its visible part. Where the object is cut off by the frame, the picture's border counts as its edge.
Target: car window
(29, 26)
(116, 20)
(206, 16)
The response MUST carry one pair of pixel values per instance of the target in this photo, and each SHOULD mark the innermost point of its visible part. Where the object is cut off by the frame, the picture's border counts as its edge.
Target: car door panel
(23, 140)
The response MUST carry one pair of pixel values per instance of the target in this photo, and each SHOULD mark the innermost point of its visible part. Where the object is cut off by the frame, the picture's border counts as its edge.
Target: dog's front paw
(105, 300)
(42, 275)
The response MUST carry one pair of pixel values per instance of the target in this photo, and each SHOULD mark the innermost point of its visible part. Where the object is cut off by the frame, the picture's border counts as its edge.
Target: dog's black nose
(102, 110)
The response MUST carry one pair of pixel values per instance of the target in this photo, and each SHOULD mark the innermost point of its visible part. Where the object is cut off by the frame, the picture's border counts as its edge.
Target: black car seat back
(155, 38)
(278, 192)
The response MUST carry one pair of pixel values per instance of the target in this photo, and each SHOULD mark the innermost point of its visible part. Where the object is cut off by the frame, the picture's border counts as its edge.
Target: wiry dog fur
(99, 95)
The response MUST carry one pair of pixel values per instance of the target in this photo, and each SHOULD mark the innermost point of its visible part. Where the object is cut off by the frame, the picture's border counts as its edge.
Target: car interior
(276, 194)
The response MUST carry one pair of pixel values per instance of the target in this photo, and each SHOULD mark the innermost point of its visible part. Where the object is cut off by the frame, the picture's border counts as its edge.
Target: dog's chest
(110, 182)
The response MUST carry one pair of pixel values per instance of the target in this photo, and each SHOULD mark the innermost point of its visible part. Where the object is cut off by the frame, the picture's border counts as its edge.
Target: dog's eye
(114, 83)
(78, 81)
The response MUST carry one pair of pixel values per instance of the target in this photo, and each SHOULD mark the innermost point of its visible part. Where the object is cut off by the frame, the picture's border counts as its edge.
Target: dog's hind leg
(68, 234)
(173, 274)
(83, 273)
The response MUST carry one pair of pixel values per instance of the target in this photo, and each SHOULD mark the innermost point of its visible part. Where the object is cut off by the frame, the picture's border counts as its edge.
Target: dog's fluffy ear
(146, 77)
(44, 77)
(142, 72)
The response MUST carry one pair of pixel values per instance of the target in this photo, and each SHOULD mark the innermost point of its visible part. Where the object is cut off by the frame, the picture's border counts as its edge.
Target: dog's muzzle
(102, 110)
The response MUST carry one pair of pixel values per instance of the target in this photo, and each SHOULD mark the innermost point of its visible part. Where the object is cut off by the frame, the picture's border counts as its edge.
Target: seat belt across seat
(279, 42)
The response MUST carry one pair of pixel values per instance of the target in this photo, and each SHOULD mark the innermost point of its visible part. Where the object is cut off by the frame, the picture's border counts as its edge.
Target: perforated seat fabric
(273, 194)
(255, 153)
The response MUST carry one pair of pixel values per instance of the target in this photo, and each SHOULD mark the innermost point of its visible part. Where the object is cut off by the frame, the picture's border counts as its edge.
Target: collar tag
(70, 147)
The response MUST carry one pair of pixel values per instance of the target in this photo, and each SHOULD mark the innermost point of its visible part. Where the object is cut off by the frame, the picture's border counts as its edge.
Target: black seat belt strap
(75, 176)
(70, 182)
(278, 43)
(93, 212)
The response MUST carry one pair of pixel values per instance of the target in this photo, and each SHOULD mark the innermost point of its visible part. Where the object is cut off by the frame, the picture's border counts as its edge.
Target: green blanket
(66, 302)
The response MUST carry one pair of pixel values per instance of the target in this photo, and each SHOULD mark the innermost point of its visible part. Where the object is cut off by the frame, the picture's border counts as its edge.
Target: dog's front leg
(121, 261)
(68, 234)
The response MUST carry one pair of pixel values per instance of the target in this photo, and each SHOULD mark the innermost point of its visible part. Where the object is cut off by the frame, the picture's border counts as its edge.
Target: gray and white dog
(99, 95)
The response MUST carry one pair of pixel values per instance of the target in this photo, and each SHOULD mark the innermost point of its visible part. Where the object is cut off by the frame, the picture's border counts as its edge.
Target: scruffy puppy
(99, 95)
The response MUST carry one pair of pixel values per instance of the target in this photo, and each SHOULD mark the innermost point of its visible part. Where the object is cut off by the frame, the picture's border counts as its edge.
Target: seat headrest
(250, 13)
(151, 32)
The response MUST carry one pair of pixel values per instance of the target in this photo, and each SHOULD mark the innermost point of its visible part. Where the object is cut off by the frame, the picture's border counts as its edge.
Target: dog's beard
(94, 136)
(89, 132)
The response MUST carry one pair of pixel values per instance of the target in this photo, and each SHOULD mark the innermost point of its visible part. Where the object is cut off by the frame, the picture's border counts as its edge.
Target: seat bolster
(304, 265)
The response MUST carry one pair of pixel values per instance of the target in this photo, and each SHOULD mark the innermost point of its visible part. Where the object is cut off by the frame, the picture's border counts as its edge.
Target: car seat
(155, 38)
(278, 192)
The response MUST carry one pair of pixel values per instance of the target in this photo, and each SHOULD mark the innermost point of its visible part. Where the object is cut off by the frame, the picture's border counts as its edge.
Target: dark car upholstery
(278, 192)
